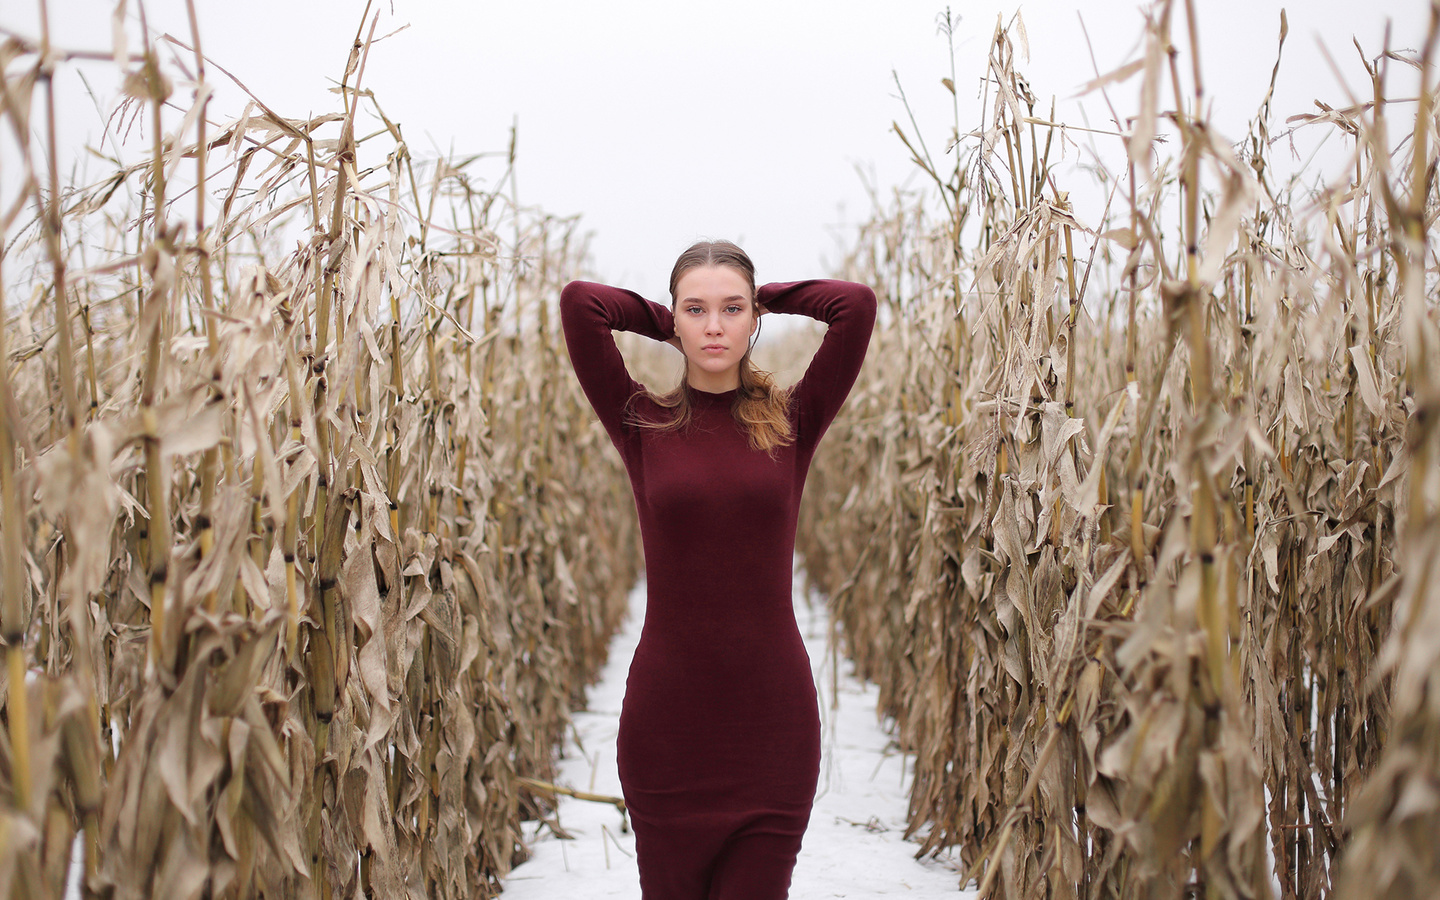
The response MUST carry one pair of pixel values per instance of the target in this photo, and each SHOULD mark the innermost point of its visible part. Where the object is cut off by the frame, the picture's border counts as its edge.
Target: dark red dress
(719, 742)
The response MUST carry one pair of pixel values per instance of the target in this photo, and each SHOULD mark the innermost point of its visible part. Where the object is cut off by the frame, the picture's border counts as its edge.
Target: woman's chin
(714, 366)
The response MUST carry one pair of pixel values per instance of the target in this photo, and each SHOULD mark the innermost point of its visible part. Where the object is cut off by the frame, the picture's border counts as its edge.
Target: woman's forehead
(714, 283)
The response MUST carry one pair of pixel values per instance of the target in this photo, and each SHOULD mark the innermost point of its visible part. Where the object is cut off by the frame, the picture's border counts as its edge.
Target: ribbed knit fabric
(719, 742)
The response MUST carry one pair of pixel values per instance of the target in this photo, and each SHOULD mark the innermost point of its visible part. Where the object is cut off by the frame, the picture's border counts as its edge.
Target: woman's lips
(713, 348)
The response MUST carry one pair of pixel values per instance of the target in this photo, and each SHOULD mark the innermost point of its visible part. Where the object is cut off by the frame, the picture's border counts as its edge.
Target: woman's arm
(849, 311)
(589, 312)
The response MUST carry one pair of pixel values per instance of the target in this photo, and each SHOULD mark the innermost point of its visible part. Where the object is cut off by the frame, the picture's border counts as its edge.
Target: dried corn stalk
(1140, 576)
(310, 540)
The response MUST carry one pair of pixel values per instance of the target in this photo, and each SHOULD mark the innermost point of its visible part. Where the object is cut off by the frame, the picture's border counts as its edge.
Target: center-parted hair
(760, 406)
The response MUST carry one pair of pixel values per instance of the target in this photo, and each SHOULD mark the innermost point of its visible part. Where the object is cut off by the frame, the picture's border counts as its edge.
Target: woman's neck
(714, 383)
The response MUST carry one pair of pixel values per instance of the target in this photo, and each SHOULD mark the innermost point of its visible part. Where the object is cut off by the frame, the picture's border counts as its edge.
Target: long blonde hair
(760, 406)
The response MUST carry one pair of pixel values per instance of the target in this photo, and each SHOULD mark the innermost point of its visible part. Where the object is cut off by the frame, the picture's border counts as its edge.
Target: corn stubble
(1148, 582)
(310, 542)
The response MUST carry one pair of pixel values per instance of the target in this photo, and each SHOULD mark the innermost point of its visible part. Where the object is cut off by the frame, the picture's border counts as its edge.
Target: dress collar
(709, 398)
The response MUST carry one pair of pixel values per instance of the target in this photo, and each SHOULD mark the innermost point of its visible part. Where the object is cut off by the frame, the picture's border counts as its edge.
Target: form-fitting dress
(719, 742)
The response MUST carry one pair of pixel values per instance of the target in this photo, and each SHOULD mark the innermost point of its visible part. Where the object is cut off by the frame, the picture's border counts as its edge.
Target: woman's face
(714, 319)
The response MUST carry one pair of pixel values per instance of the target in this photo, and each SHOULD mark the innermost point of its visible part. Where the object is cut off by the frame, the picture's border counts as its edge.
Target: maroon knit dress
(719, 742)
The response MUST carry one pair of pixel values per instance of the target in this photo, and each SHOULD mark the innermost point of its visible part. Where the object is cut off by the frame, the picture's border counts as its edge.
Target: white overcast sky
(661, 122)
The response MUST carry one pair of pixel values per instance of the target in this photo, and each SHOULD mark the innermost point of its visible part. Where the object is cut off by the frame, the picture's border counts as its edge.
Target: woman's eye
(733, 308)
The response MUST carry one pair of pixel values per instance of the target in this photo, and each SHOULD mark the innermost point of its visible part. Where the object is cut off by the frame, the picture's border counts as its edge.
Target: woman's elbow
(578, 301)
(573, 293)
(864, 300)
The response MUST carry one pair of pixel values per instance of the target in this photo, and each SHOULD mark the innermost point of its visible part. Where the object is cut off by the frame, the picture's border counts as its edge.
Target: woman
(719, 742)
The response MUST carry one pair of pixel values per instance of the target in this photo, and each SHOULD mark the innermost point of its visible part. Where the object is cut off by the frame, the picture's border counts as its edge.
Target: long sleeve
(849, 311)
(589, 312)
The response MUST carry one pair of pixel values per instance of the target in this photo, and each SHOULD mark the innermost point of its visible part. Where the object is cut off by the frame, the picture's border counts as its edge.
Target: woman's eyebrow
(702, 302)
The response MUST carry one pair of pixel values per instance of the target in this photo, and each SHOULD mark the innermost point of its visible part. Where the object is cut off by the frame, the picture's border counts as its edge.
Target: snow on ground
(852, 848)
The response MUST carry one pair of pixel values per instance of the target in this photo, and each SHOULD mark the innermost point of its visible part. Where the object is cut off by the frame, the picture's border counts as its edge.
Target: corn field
(309, 541)
(1135, 512)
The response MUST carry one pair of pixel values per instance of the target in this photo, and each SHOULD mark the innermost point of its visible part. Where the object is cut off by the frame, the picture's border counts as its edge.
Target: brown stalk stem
(17, 715)
(153, 318)
(65, 355)
(209, 461)
(1070, 322)
(559, 790)
(14, 603)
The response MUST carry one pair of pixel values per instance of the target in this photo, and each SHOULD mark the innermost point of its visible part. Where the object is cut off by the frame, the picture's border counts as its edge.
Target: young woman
(719, 742)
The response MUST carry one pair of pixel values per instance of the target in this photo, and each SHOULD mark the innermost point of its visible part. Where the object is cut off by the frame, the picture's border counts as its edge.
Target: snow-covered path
(852, 848)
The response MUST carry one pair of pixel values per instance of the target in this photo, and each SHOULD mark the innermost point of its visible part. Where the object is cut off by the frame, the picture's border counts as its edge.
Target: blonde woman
(719, 742)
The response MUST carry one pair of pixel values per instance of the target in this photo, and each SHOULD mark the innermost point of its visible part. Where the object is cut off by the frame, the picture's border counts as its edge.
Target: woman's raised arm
(589, 312)
(848, 309)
